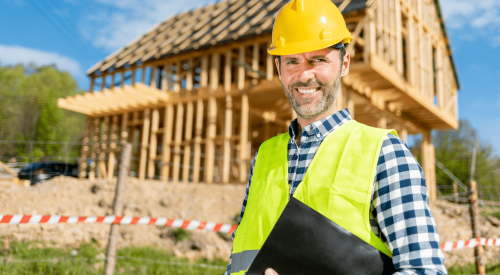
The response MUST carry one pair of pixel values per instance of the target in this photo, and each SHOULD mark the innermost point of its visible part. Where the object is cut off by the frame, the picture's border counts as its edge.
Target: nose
(306, 72)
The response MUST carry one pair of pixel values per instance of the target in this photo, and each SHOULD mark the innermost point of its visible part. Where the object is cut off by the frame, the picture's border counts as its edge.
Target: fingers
(270, 271)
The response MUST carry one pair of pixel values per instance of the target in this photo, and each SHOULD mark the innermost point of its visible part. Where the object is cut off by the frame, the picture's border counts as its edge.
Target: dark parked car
(39, 171)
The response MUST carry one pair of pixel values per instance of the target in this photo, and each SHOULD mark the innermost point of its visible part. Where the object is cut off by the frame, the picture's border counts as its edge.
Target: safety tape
(188, 225)
(449, 246)
(52, 219)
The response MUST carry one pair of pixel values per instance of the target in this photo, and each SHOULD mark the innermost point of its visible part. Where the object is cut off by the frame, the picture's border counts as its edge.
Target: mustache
(306, 84)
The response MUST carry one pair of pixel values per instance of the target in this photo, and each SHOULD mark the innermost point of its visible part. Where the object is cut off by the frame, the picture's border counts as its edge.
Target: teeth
(309, 91)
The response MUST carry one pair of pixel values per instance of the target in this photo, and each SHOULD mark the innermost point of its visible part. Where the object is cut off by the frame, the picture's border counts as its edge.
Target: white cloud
(476, 14)
(10, 55)
(121, 21)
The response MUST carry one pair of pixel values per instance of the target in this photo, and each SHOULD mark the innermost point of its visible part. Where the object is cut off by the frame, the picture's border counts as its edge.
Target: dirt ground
(152, 198)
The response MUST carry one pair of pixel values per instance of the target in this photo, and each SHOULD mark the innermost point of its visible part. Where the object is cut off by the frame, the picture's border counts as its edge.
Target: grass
(35, 257)
(493, 268)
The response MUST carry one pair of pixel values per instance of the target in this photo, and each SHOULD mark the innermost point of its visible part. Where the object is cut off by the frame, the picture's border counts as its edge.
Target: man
(363, 178)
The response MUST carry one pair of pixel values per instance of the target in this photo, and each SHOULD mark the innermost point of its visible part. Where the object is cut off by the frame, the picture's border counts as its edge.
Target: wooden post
(399, 38)
(188, 135)
(269, 64)
(83, 160)
(428, 164)
(104, 146)
(241, 70)
(177, 143)
(404, 132)
(212, 119)
(112, 147)
(245, 111)
(153, 143)
(125, 157)
(382, 121)
(255, 63)
(95, 145)
(455, 193)
(199, 120)
(92, 84)
(123, 129)
(228, 119)
(122, 79)
(168, 126)
(103, 82)
(144, 144)
(476, 226)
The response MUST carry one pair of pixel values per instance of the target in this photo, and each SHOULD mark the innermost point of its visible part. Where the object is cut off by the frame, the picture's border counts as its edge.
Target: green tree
(29, 112)
(454, 150)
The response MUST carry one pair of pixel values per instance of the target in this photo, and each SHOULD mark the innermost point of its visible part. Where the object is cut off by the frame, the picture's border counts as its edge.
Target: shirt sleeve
(242, 208)
(400, 206)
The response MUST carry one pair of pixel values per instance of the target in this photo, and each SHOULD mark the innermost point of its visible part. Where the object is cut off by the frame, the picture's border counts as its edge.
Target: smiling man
(364, 179)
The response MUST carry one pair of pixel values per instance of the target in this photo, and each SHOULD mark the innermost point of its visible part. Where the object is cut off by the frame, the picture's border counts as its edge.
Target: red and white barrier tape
(189, 225)
(449, 246)
(51, 219)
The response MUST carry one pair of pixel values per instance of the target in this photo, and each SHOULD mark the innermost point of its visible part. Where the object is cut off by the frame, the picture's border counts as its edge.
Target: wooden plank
(179, 123)
(83, 160)
(228, 120)
(112, 145)
(92, 84)
(241, 70)
(95, 144)
(269, 64)
(197, 144)
(399, 38)
(144, 144)
(8, 169)
(244, 127)
(188, 124)
(212, 119)
(153, 143)
(428, 164)
(255, 62)
(166, 142)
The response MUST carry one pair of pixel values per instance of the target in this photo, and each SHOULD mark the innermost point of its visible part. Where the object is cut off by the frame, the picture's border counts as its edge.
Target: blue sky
(89, 30)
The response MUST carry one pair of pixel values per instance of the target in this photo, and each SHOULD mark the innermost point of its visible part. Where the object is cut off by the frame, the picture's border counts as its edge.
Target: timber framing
(198, 94)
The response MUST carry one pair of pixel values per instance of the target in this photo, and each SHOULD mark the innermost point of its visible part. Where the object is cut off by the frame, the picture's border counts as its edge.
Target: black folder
(304, 241)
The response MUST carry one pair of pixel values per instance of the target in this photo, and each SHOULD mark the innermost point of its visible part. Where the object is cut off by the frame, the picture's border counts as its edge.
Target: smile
(308, 90)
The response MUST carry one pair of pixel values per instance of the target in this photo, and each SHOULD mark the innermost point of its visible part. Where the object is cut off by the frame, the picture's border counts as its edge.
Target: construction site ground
(152, 198)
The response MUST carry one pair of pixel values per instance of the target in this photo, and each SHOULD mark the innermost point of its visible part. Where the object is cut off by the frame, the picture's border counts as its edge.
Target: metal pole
(125, 157)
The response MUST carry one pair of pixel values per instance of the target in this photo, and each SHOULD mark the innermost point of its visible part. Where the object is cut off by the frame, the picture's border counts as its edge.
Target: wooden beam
(212, 119)
(241, 70)
(270, 64)
(112, 145)
(168, 126)
(178, 138)
(153, 143)
(144, 144)
(197, 144)
(428, 164)
(399, 38)
(95, 138)
(244, 127)
(83, 160)
(92, 84)
(228, 121)
(188, 124)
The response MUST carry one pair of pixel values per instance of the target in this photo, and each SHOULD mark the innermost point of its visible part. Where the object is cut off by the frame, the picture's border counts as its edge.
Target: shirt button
(318, 135)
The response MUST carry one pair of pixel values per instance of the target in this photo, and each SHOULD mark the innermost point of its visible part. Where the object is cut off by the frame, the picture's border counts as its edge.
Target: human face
(311, 81)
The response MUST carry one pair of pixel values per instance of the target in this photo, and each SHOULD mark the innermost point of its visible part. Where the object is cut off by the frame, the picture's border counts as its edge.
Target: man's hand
(270, 271)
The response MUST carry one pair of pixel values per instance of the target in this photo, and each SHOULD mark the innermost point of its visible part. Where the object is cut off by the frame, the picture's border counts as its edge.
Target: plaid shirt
(399, 209)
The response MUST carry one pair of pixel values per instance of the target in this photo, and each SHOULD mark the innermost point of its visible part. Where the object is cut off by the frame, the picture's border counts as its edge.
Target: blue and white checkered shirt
(400, 205)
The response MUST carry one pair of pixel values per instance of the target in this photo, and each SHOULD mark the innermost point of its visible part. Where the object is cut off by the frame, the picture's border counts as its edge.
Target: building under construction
(198, 93)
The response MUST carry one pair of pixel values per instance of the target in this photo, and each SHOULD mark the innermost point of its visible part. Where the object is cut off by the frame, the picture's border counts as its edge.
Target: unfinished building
(198, 93)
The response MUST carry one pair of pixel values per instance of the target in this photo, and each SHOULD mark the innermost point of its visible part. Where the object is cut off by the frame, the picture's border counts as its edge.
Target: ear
(277, 62)
(346, 63)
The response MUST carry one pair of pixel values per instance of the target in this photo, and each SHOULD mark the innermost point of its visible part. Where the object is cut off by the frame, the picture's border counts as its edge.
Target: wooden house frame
(198, 93)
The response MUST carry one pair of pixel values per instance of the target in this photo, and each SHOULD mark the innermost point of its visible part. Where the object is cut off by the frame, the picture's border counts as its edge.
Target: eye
(319, 60)
(292, 62)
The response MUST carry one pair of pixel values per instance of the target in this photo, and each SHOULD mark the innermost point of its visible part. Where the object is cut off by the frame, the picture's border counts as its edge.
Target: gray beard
(329, 95)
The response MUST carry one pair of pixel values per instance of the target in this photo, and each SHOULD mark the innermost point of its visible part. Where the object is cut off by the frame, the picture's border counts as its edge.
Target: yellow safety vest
(337, 184)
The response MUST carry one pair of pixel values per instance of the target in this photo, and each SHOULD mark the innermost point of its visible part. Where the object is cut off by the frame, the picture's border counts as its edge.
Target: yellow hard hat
(308, 25)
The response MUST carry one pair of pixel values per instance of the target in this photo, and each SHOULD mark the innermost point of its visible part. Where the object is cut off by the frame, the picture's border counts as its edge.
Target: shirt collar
(321, 128)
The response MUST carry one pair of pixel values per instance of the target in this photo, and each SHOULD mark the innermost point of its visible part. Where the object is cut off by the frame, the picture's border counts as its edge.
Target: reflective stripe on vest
(338, 184)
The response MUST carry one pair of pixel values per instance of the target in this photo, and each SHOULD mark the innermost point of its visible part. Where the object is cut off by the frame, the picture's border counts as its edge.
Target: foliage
(454, 150)
(36, 257)
(491, 268)
(180, 234)
(29, 112)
